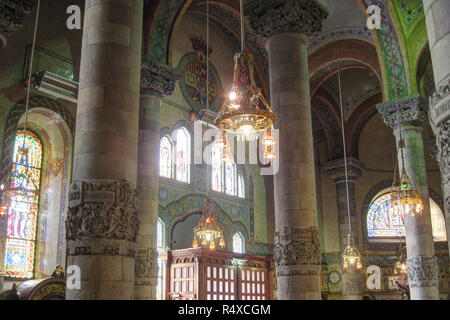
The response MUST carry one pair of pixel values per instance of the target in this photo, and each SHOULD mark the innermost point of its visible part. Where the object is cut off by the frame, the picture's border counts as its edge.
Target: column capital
(12, 15)
(440, 104)
(158, 80)
(336, 169)
(412, 112)
(102, 209)
(271, 17)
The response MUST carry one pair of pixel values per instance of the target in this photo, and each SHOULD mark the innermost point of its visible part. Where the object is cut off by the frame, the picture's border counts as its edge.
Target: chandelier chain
(345, 152)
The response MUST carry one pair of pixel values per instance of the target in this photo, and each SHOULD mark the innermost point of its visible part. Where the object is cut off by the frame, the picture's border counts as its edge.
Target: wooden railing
(202, 274)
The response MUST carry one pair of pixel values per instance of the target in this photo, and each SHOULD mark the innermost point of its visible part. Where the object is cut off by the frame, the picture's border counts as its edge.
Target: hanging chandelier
(400, 267)
(405, 198)
(208, 234)
(351, 256)
(245, 112)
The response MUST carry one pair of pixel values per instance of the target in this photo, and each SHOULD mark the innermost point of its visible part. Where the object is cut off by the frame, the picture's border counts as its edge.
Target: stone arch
(371, 194)
(12, 122)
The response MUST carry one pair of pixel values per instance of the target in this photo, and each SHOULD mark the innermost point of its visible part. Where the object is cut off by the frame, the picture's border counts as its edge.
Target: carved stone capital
(352, 284)
(411, 109)
(102, 209)
(440, 104)
(422, 271)
(158, 80)
(12, 15)
(297, 251)
(145, 265)
(336, 169)
(271, 17)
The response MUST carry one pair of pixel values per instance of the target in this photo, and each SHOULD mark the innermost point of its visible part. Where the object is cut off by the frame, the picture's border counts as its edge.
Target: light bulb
(233, 95)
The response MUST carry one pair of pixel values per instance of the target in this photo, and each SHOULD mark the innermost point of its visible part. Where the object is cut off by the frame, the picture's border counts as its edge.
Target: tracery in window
(238, 243)
(22, 213)
(183, 155)
(165, 158)
(384, 223)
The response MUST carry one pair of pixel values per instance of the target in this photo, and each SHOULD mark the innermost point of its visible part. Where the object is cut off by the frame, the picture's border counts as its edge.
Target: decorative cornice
(102, 209)
(411, 111)
(12, 15)
(158, 80)
(336, 169)
(297, 251)
(271, 17)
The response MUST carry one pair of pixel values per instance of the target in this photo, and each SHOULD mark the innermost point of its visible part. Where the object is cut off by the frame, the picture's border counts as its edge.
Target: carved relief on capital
(336, 169)
(272, 17)
(158, 80)
(297, 251)
(352, 283)
(411, 110)
(12, 15)
(440, 104)
(146, 263)
(422, 271)
(442, 132)
(103, 209)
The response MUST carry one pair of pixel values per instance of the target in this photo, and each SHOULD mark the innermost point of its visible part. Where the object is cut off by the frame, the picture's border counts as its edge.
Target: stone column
(102, 222)
(421, 261)
(436, 13)
(286, 25)
(352, 281)
(157, 81)
(336, 171)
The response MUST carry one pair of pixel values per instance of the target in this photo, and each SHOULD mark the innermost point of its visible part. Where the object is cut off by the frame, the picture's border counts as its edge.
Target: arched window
(241, 185)
(165, 158)
(217, 169)
(22, 214)
(238, 243)
(384, 223)
(230, 178)
(183, 155)
(160, 230)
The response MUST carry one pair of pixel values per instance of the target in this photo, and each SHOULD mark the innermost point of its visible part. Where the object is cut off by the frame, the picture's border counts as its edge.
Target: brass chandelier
(400, 267)
(208, 234)
(405, 198)
(245, 112)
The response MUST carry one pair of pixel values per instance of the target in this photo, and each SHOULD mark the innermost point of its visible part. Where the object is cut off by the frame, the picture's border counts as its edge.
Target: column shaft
(438, 26)
(102, 222)
(146, 270)
(421, 261)
(298, 271)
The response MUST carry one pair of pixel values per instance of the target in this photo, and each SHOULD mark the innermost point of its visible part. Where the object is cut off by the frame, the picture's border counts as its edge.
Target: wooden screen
(201, 274)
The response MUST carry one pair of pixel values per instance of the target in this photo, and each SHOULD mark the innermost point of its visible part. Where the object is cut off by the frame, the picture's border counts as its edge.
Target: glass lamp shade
(400, 267)
(405, 199)
(351, 256)
(208, 234)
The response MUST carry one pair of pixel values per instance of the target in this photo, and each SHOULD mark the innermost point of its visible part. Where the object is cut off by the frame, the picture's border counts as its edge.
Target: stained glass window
(238, 243)
(217, 169)
(241, 185)
(22, 212)
(383, 222)
(183, 155)
(230, 178)
(165, 158)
